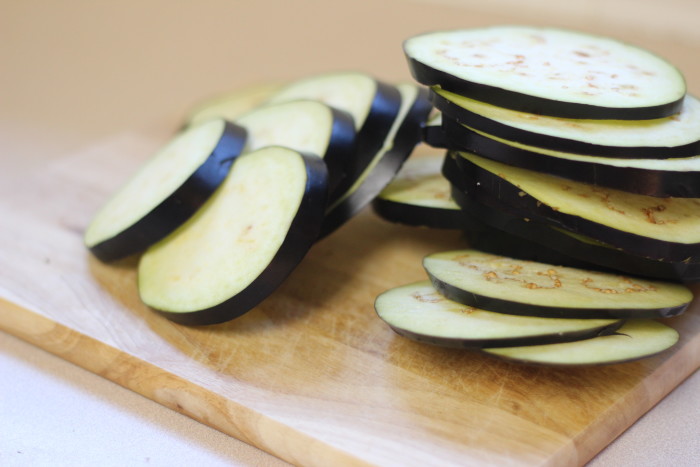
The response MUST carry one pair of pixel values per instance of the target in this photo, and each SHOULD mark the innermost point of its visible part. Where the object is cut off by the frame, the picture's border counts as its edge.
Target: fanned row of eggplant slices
(226, 211)
(570, 161)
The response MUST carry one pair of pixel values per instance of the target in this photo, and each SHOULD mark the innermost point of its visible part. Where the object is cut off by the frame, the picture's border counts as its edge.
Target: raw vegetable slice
(242, 243)
(166, 191)
(306, 126)
(548, 72)
(359, 94)
(662, 138)
(660, 228)
(497, 232)
(678, 177)
(400, 142)
(233, 104)
(373, 105)
(636, 339)
(508, 285)
(419, 195)
(417, 311)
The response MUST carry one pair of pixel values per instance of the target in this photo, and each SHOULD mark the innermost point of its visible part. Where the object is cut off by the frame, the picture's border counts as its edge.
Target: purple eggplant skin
(491, 190)
(435, 136)
(457, 343)
(406, 139)
(497, 232)
(419, 216)
(370, 137)
(181, 204)
(430, 76)
(648, 182)
(342, 147)
(452, 111)
(300, 238)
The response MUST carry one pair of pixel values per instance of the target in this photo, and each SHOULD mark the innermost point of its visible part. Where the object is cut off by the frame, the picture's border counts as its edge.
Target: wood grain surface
(311, 375)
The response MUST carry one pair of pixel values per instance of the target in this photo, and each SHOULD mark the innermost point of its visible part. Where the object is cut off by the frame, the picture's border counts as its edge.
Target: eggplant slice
(306, 126)
(372, 104)
(417, 311)
(166, 191)
(419, 195)
(671, 137)
(666, 229)
(661, 178)
(233, 104)
(636, 339)
(242, 243)
(508, 285)
(400, 142)
(548, 71)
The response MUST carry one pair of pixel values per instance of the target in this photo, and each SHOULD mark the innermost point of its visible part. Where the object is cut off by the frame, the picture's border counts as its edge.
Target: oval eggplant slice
(660, 178)
(548, 72)
(663, 138)
(242, 243)
(233, 104)
(166, 191)
(306, 126)
(666, 229)
(417, 311)
(419, 195)
(497, 232)
(400, 142)
(507, 285)
(372, 104)
(635, 340)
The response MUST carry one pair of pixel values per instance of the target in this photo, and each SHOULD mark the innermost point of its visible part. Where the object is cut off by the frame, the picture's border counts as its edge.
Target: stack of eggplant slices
(225, 211)
(573, 163)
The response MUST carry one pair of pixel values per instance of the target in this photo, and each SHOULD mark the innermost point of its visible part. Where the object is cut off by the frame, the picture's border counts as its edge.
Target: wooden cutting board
(312, 375)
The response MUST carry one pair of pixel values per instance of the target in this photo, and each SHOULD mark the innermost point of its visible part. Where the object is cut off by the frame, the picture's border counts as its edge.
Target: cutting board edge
(258, 430)
(652, 390)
